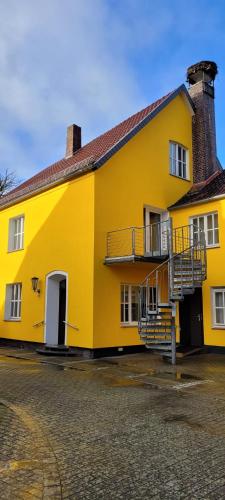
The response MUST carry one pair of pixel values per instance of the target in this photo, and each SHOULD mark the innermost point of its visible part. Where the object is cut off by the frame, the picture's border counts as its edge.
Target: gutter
(76, 170)
(198, 202)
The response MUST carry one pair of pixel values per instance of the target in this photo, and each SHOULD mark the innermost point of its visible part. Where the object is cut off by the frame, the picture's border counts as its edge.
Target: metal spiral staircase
(168, 283)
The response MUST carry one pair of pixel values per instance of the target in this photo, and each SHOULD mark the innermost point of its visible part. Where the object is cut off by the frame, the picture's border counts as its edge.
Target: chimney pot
(73, 141)
(201, 78)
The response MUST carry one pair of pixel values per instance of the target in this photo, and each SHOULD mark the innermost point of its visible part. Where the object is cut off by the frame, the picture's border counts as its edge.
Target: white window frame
(164, 217)
(16, 233)
(129, 303)
(13, 302)
(215, 290)
(178, 165)
(206, 229)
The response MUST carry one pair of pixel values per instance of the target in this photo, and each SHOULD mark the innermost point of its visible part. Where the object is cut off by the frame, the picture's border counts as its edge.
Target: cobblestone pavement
(129, 427)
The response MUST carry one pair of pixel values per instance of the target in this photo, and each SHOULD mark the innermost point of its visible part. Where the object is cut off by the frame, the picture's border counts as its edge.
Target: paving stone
(112, 433)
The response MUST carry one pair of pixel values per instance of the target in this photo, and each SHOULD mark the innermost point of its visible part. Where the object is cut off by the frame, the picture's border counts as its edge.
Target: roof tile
(95, 149)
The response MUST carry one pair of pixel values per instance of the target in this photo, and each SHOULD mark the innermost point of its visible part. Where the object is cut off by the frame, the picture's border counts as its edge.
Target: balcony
(138, 244)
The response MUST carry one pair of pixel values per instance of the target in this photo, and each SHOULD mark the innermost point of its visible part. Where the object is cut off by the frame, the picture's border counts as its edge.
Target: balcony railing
(139, 242)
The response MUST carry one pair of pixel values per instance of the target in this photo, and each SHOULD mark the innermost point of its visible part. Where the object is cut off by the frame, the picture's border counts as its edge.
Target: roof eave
(181, 89)
(76, 170)
(198, 202)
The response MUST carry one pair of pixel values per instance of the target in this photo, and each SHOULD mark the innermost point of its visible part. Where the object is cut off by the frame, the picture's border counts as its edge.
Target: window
(16, 233)
(218, 304)
(13, 301)
(129, 304)
(209, 224)
(178, 160)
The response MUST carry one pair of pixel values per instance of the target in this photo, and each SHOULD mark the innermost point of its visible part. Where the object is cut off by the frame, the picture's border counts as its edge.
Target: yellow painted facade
(136, 176)
(215, 264)
(66, 228)
(59, 235)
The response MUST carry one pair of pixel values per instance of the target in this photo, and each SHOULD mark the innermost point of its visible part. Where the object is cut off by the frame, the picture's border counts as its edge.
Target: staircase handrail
(195, 245)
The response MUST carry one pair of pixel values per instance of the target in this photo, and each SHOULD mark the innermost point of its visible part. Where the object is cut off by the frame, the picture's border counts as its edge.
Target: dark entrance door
(191, 320)
(62, 312)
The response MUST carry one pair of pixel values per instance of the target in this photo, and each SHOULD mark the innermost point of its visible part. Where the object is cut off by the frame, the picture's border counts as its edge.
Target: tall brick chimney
(73, 140)
(201, 78)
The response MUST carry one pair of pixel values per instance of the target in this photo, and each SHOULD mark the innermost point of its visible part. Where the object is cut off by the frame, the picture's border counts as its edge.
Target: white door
(156, 232)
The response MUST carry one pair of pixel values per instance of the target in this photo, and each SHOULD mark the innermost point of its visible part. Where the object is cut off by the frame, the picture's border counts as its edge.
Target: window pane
(126, 293)
(126, 313)
(121, 313)
(216, 236)
(209, 221)
(12, 310)
(134, 312)
(179, 153)
(201, 223)
(210, 237)
(16, 229)
(216, 220)
(180, 169)
(134, 303)
(219, 299)
(220, 316)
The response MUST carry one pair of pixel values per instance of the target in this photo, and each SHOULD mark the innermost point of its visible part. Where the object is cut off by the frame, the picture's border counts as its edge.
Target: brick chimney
(201, 78)
(73, 140)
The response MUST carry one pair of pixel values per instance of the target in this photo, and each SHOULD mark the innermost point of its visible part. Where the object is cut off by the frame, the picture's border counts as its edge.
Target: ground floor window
(218, 305)
(129, 304)
(13, 301)
(130, 299)
(149, 300)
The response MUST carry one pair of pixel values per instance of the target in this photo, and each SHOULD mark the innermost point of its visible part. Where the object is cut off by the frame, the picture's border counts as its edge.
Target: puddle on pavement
(182, 419)
(176, 375)
(113, 381)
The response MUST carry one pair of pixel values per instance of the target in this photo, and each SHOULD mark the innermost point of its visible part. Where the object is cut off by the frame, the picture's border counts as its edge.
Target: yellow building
(79, 238)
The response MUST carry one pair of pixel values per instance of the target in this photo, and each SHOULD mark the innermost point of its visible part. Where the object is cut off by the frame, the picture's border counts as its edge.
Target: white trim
(49, 276)
(129, 303)
(164, 216)
(177, 161)
(213, 307)
(10, 299)
(14, 234)
(206, 230)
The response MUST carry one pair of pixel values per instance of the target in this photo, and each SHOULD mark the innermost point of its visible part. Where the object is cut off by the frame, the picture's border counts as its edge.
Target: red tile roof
(203, 191)
(91, 153)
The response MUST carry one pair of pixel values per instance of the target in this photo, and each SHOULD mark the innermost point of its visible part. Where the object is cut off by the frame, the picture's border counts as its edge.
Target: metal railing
(185, 249)
(151, 240)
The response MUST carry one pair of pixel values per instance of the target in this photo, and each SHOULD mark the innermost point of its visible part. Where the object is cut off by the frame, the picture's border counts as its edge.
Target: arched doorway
(56, 308)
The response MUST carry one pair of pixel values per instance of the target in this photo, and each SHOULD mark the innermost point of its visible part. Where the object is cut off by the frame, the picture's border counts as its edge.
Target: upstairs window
(13, 301)
(16, 233)
(208, 224)
(178, 160)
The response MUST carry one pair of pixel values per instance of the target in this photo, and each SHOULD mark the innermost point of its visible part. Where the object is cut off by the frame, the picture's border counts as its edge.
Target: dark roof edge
(76, 170)
(197, 202)
(144, 122)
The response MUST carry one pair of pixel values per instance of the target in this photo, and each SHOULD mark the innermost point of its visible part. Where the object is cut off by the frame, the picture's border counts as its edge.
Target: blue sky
(93, 63)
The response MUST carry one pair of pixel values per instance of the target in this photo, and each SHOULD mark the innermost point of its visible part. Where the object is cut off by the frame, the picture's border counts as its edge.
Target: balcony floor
(134, 258)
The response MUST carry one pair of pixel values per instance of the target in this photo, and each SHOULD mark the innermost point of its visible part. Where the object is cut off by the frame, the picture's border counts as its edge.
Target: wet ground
(129, 427)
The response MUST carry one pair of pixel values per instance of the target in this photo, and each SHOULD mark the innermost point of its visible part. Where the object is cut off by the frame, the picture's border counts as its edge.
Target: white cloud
(91, 62)
(59, 63)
